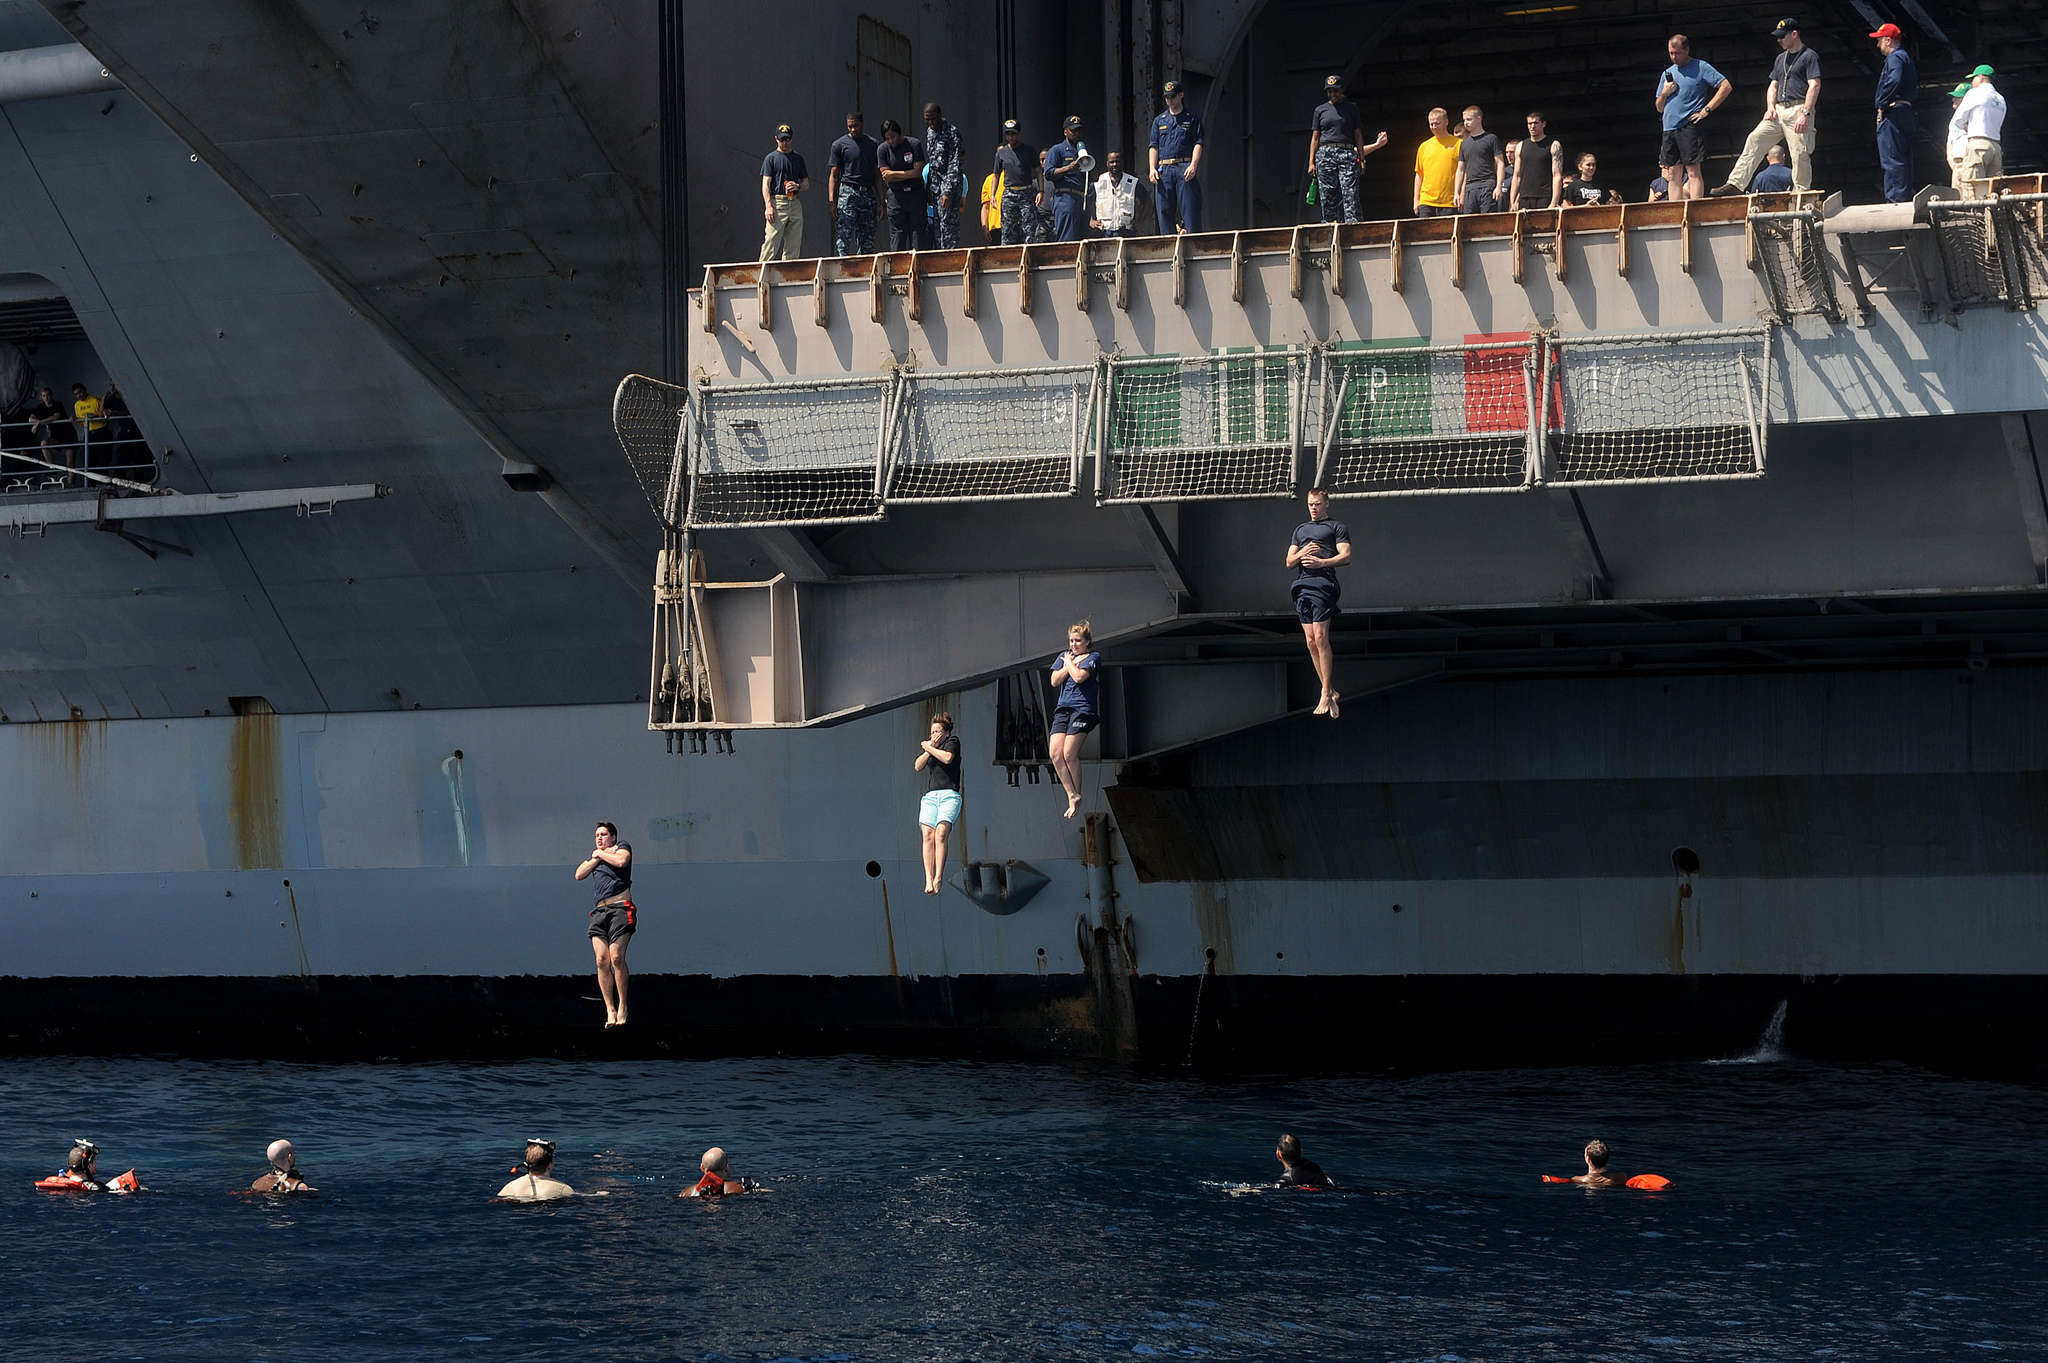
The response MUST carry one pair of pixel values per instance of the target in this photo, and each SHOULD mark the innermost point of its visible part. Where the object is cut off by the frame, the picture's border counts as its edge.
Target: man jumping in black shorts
(1320, 547)
(612, 920)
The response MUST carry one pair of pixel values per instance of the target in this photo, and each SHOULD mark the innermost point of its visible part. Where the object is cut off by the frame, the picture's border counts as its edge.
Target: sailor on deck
(1067, 178)
(1017, 175)
(854, 163)
(946, 178)
(1176, 158)
(1979, 124)
(1897, 123)
(1788, 113)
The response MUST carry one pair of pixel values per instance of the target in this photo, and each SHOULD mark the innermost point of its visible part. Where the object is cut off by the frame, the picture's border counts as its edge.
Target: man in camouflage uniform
(855, 171)
(1017, 172)
(945, 175)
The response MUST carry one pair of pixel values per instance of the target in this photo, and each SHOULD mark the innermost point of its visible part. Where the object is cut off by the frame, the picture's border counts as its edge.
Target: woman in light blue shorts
(938, 757)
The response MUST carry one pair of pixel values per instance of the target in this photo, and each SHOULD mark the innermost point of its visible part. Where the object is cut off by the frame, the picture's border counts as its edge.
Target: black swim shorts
(1068, 720)
(1684, 145)
(1315, 600)
(614, 923)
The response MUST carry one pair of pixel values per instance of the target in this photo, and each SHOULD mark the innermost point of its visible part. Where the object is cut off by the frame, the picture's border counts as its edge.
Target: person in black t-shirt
(900, 162)
(1482, 167)
(613, 919)
(1585, 188)
(938, 757)
(1320, 546)
(1298, 1170)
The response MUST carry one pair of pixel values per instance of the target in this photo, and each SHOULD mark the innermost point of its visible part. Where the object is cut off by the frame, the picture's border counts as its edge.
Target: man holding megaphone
(1067, 167)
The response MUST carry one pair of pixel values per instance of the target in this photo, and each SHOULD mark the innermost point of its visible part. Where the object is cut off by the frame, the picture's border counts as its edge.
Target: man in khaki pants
(783, 177)
(1978, 125)
(1788, 114)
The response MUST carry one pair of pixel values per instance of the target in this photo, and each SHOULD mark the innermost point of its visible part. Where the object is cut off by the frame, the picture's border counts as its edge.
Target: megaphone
(1085, 161)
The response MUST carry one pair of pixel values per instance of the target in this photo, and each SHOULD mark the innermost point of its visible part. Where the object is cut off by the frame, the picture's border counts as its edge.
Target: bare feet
(610, 1023)
(622, 1019)
(1333, 705)
(1073, 804)
(1323, 705)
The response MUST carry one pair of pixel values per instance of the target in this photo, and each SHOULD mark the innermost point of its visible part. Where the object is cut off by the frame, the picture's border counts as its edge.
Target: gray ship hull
(1406, 887)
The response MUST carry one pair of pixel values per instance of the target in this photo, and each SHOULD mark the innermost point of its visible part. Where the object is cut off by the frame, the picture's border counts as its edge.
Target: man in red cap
(1897, 123)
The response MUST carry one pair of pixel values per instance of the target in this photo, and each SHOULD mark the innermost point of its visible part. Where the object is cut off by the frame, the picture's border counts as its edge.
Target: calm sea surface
(926, 1210)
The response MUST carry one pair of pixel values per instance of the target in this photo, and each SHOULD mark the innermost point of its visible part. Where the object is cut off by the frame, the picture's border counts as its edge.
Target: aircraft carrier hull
(399, 884)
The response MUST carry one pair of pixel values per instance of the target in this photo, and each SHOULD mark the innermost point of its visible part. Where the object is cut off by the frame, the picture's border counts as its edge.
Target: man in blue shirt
(945, 175)
(1017, 174)
(1319, 548)
(1068, 180)
(900, 162)
(1687, 91)
(1897, 122)
(1177, 163)
(783, 177)
(854, 174)
(1775, 177)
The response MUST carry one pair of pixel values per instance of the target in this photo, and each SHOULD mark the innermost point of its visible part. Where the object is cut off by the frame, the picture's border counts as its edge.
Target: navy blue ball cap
(1009, 125)
(1073, 120)
(1785, 26)
(1172, 87)
(783, 130)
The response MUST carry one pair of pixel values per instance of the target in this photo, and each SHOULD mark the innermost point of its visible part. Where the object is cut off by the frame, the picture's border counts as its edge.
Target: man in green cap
(1979, 121)
(1957, 142)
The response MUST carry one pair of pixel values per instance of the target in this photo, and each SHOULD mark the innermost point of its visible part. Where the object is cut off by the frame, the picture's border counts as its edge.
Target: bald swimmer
(283, 1175)
(534, 1183)
(717, 1180)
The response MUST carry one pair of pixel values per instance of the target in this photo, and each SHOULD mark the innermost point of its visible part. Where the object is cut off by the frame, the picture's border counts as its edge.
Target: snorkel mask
(532, 1141)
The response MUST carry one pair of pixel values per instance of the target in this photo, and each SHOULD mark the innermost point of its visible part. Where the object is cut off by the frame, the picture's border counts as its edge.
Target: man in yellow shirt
(92, 426)
(1436, 169)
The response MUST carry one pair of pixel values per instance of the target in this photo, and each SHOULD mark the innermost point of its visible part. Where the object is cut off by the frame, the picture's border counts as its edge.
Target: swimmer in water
(81, 1171)
(533, 1183)
(717, 1180)
(1597, 1174)
(1298, 1170)
(283, 1175)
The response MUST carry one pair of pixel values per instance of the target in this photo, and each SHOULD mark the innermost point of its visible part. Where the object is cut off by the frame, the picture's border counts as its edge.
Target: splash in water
(1770, 1048)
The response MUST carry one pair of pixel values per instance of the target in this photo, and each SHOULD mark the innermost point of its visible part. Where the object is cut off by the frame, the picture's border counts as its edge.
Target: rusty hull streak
(74, 745)
(256, 791)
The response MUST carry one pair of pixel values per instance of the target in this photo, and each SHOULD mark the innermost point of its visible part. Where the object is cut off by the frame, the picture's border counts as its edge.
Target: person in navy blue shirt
(1068, 181)
(613, 919)
(1078, 709)
(1019, 171)
(900, 163)
(1897, 121)
(854, 174)
(1319, 548)
(1687, 91)
(1177, 164)
(1775, 177)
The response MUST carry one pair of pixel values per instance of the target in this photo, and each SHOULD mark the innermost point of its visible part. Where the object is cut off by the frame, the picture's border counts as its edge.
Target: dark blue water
(957, 1211)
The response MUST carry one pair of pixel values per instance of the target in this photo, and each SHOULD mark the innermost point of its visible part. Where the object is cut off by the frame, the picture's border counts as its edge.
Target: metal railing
(1503, 414)
(60, 453)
